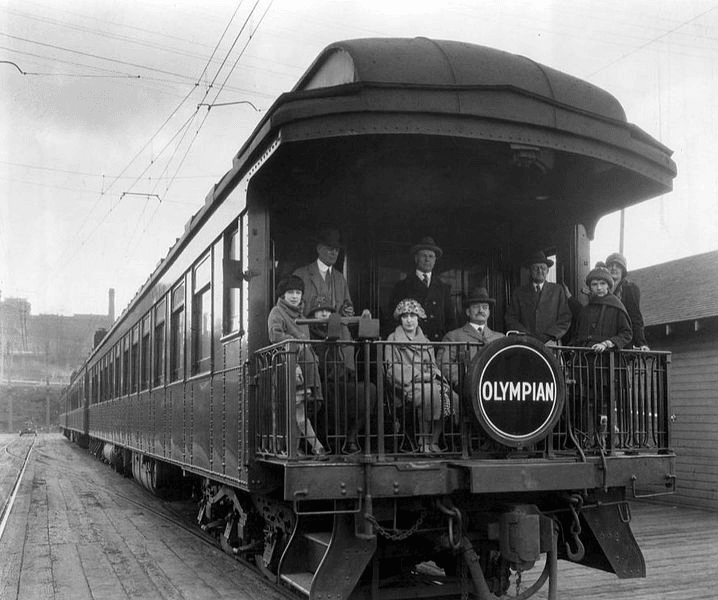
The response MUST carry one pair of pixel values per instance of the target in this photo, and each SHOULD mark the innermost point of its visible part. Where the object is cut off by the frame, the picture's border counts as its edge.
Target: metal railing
(387, 399)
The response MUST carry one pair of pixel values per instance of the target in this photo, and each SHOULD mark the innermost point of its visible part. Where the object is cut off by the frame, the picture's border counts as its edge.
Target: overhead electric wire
(652, 41)
(96, 56)
(208, 63)
(251, 12)
(104, 193)
(86, 174)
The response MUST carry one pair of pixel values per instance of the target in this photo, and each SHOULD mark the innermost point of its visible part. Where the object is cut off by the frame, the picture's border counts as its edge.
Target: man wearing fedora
(321, 278)
(539, 308)
(433, 295)
(475, 332)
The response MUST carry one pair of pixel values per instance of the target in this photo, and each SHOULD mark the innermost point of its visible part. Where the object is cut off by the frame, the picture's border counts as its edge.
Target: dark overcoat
(629, 294)
(546, 315)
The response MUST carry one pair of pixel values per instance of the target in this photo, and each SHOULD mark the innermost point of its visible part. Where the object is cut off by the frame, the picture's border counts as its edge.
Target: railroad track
(10, 500)
(178, 519)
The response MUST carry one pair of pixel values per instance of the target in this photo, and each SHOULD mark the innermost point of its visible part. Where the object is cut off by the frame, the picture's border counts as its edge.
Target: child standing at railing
(282, 326)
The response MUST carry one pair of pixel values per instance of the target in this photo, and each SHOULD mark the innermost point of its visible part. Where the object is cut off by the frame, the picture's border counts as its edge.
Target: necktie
(426, 280)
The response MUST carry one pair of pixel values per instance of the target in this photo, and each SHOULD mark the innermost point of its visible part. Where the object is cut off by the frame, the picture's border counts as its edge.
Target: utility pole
(622, 230)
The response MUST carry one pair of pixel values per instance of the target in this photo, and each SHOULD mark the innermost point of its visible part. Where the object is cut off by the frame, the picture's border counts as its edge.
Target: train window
(93, 387)
(159, 344)
(202, 316)
(145, 353)
(134, 359)
(126, 365)
(232, 281)
(177, 333)
(103, 379)
(118, 370)
(111, 374)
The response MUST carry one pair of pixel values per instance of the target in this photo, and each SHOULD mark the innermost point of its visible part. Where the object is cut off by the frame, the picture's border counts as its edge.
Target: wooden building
(679, 301)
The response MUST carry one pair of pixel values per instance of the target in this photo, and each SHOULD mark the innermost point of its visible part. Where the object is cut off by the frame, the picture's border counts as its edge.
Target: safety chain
(395, 534)
(575, 504)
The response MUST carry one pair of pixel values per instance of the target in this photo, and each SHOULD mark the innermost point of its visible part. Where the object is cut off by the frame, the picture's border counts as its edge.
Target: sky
(108, 145)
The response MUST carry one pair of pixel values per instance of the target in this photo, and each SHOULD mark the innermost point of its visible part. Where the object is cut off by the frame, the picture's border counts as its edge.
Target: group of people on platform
(423, 313)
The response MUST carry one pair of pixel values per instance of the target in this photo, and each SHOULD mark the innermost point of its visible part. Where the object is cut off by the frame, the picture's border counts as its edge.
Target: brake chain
(395, 534)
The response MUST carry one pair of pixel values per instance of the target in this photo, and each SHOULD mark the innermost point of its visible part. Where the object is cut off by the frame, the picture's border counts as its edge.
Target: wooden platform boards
(79, 531)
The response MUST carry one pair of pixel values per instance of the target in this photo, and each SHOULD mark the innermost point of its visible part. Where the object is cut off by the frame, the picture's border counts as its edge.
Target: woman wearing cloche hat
(412, 367)
(629, 294)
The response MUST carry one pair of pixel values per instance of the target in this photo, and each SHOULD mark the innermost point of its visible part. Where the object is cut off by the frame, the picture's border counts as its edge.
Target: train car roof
(449, 88)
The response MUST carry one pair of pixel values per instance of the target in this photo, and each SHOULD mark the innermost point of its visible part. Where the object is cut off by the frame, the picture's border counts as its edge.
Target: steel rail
(10, 501)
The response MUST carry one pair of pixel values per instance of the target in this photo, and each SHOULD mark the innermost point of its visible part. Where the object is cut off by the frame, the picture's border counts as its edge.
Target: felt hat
(292, 282)
(426, 243)
(329, 236)
(320, 303)
(478, 295)
(538, 257)
(409, 305)
(619, 259)
(600, 272)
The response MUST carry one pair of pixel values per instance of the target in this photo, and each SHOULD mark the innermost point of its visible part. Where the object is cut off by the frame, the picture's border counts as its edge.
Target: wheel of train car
(517, 390)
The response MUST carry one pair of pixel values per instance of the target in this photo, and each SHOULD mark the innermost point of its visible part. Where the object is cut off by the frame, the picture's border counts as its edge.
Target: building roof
(680, 290)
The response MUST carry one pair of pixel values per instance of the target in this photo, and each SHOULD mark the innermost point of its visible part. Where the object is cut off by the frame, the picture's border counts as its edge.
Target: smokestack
(111, 308)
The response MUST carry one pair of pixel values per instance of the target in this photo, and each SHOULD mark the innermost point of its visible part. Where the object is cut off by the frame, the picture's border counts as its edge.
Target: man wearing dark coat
(321, 278)
(433, 295)
(539, 308)
(475, 333)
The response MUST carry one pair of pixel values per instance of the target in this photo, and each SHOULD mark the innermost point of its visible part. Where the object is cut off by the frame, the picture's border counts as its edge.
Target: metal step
(299, 581)
(319, 537)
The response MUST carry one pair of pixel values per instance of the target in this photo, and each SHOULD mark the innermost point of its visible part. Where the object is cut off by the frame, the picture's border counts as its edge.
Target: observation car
(493, 155)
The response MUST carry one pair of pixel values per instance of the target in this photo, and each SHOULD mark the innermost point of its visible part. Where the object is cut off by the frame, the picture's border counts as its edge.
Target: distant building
(679, 301)
(37, 356)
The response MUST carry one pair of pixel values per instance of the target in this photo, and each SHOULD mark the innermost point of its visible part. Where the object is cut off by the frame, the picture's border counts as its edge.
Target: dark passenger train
(389, 140)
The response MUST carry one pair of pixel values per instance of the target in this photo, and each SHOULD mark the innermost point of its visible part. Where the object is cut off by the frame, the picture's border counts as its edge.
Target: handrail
(626, 390)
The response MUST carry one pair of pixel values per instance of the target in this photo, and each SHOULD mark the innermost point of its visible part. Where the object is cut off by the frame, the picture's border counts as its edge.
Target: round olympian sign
(517, 390)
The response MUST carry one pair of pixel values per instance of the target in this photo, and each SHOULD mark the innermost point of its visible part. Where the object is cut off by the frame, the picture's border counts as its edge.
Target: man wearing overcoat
(433, 295)
(475, 332)
(321, 278)
(539, 308)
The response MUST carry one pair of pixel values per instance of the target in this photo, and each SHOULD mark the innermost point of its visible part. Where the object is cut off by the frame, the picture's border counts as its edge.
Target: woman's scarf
(291, 314)
(609, 300)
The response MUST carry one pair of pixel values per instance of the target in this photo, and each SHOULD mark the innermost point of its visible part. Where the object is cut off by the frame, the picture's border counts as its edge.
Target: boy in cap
(282, 325)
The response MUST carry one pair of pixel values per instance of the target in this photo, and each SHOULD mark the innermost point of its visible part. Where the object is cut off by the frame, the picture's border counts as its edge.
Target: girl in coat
(604, 322)
(412, 367)
(282, 326)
